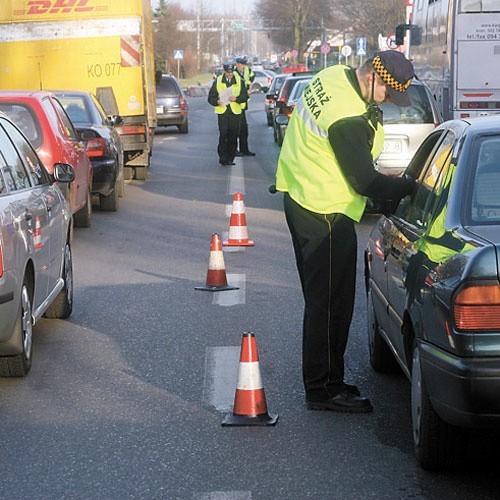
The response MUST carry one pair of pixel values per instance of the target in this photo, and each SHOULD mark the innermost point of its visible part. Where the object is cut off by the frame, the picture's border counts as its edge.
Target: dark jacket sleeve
(213, 94)
(351, 140)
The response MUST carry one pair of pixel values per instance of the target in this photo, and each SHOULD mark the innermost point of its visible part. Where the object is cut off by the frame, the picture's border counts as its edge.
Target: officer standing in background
(248, 77)
(326, 172)
(227, 94)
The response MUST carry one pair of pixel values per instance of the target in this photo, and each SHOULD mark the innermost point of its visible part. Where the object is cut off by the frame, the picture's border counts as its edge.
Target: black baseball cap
(396, 72)
(229, 67)
(241, 60)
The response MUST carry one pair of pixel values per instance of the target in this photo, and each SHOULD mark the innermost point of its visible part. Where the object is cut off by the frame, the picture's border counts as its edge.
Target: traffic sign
(361, 46)
(346, 51)
(294, 52)
(391, 42)
(325, 48)
(178, 54)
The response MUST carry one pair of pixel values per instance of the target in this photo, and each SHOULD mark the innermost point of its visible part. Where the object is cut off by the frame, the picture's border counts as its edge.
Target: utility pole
(199, 7)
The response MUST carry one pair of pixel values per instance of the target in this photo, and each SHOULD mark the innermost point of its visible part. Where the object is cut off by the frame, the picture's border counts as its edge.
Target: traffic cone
(250, 407)
(238, 233)
(216, 274)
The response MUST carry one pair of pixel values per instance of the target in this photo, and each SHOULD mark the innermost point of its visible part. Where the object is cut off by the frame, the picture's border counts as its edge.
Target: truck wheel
(438, 445)
(83, 216)
(63, 304)
(141, 173)
(128, 173)
(20, 364)
(381, 358)
(109, 202)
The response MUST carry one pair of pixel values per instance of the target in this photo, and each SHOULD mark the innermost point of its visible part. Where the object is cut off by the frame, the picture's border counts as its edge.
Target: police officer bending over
(326, 171)
(227, 94)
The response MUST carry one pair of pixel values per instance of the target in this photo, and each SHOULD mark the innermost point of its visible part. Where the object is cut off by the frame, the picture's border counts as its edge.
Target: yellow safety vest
(307, 167)
(235, 88)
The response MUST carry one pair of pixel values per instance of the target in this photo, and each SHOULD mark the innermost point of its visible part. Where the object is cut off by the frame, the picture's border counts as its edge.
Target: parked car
(284, 95)
(171, 104)
(42, 119)
(103, 144)
(282, 119)
(432, 272)
(406, 127)
(262, 81)
(272, 95)
(36, 275)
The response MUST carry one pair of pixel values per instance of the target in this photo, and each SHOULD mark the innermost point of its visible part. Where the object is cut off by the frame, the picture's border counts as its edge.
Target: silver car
(406, 127)
(36, 276)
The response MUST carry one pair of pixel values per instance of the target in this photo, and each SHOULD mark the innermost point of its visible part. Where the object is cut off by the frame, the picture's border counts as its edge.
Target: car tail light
(182, 103)
(287, 110)
(1, 260)
(96, 147)
(477, 308)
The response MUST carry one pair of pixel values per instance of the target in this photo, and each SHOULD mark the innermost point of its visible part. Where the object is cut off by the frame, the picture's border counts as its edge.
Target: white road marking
(221, 373)
(236, 181)
(223, 495)
(232, 297)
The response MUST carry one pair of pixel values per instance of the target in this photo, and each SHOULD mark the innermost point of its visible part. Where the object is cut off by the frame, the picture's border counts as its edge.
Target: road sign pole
(178, 68)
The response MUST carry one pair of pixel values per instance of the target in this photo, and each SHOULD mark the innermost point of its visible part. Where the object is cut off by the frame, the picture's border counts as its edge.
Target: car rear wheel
(19, 365)
(183, 128)
(109, 202)
(83, 216)
(270, 119)
(381, 358)
(63, 304)
(438, 445)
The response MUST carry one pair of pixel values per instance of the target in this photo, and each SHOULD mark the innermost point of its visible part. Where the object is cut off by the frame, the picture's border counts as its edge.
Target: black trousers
(229, 125)
(325, 250)
(243, 134)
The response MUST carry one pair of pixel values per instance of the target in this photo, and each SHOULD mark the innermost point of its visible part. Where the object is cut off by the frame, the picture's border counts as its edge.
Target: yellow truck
(100, 46)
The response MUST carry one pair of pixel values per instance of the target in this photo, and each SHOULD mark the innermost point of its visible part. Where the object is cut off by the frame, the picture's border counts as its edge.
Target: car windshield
(486, 186)
(75, 107)
(298, 90)
(23, 117)
(420, 110)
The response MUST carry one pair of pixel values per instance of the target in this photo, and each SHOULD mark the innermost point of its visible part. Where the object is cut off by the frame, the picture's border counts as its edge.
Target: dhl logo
(39, 7)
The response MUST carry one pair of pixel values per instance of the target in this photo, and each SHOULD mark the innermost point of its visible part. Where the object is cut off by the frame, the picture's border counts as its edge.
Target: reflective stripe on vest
(235, 88)
(307, 167)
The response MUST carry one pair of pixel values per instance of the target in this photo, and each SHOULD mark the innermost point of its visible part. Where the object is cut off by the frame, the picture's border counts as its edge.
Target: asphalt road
(125, 399)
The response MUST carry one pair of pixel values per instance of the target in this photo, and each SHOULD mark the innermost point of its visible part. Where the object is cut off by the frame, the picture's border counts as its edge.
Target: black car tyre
(19, 365)
(110, 202)
(184, 127)
(63, 304)
(438, 445)
(381, 357)
(275, 134)
(83, 216)
(270, 119)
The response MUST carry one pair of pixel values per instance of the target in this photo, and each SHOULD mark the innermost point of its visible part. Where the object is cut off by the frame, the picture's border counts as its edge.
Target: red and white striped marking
(238, 232)
(130, 50)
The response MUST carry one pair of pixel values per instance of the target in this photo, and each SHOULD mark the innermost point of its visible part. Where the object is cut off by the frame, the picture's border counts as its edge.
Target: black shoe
(248, 153)
(238, 154)
(352, 389)
(229, 163)
(345, 402)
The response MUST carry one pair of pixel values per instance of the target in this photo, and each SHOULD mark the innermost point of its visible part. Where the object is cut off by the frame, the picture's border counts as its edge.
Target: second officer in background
(248, 77)
(227, 94)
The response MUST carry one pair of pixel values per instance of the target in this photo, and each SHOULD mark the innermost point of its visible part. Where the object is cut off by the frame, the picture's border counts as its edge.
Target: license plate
(159, 109)
(393, 146)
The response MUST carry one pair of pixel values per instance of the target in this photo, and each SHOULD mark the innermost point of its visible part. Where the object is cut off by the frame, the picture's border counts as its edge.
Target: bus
(455, 49)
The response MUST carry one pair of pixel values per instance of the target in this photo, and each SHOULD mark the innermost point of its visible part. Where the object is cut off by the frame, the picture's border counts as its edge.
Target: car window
(420, 110)
(167, 87)
(486, 186)
(50, 108)
(75, 107)
(70, 130)
(25, 119)
(419, 210)
(13, 169)
(32, 162)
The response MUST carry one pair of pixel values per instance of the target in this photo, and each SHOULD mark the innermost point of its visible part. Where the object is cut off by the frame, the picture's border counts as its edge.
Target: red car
(42, 119)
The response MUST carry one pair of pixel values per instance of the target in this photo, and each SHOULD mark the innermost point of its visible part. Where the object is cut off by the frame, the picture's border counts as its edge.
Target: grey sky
(216, 6)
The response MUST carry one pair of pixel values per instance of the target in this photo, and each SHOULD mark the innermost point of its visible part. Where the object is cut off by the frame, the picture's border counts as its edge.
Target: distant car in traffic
(288, 107)
(36, 273)
(432, 270)
(171, 104)
(103, 144)
(43, 120)
(272, 95)
(262, 81)
(406, 127)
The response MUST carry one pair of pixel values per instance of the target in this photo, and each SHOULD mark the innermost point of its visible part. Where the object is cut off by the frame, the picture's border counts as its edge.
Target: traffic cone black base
(232, 420)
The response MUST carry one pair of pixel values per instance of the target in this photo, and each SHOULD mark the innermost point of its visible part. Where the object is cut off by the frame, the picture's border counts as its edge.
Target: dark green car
(432, 267)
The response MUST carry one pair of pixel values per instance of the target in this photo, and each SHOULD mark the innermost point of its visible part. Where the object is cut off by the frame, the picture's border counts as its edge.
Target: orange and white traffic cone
(250, 407)
(216, 274)
(238, 232)
(37, 234)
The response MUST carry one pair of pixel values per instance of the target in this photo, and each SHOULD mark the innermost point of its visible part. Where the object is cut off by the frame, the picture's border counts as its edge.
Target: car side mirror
(63, 172)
